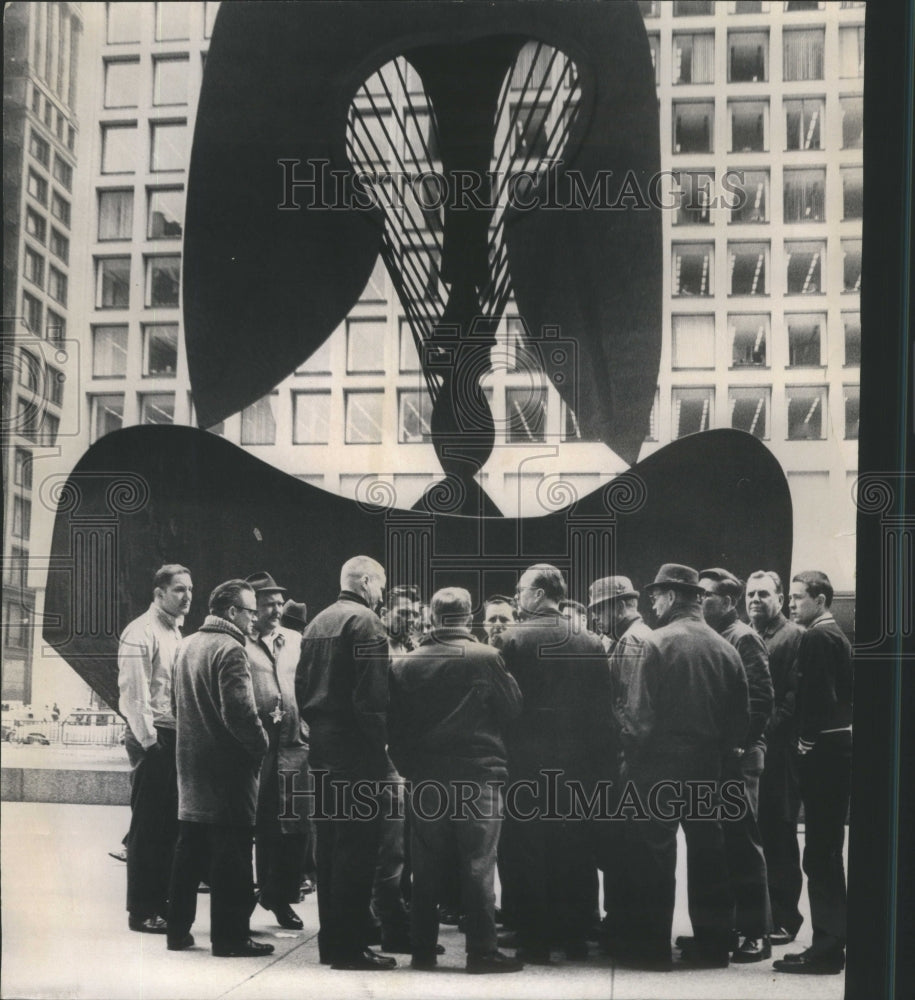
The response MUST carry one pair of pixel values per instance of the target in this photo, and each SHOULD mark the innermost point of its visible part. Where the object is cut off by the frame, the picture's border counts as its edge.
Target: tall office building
(761, 116)
(41, 55)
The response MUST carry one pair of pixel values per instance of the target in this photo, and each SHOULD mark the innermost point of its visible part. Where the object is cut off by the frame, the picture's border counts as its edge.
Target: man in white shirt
(146, 660)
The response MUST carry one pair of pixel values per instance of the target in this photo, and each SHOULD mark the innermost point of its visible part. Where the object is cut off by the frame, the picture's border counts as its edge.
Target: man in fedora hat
(614, 606)
(295, 616)
(695, 713)
(743, 841)
(281, 832)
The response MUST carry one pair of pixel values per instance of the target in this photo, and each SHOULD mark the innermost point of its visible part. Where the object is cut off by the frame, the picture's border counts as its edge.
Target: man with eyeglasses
(220, 747)
(565, 726)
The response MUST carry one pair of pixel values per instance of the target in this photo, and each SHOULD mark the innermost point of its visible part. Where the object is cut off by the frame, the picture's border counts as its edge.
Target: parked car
(39, 738)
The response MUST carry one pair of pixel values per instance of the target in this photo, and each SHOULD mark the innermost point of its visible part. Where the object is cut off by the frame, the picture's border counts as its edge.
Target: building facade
(761, 113)
(41, 52)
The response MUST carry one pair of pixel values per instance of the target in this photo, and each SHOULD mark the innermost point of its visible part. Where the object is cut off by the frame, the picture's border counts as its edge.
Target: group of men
(211, 727)
(570, 742)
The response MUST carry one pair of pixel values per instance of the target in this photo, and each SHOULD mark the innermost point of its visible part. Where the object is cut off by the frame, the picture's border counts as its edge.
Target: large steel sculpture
(484, 150)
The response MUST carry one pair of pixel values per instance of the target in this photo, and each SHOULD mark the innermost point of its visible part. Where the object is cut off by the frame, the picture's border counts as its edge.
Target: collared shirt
(825, 679)
(146, 664)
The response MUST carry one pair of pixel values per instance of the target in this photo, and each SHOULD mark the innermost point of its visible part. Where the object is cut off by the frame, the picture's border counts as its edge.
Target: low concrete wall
(98, 788)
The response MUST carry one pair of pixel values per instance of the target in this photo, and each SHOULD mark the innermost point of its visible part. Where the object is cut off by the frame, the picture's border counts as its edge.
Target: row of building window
(164, 213)
(696, 202)
(40, 149)
(748, 123)
(173, 21)
(33, 267)
(168, 149)
(43, 380)
(55, 49)
(693, 8)
(162, 284)
(693, 56)
(55, 121)
(169, 81)
(34, 422)
(803, 268)
(693, 340)
(525, 421)
(32, 316)
(693, 345)
(160, 350)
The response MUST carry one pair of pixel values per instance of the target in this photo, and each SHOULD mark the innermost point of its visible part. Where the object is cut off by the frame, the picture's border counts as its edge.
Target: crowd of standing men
(393, 758)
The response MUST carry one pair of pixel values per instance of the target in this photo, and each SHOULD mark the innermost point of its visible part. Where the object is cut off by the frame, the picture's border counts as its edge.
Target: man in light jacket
(146, 662)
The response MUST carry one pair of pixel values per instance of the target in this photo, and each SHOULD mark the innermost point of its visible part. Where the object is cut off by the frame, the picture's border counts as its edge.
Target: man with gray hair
(220, 747)
(450, 700)
(342, 692)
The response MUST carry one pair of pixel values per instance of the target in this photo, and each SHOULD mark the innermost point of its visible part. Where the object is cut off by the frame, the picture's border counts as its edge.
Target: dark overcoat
(221, 742)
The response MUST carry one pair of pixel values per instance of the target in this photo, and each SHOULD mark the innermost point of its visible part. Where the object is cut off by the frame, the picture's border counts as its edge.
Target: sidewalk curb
(33, 784)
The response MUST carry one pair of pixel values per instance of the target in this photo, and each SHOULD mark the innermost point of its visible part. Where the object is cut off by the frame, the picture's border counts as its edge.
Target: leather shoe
(752, 950)
(287, 917)
(147, 925)
(782, 936)
(244, 949)
(424, 963)
(181, 944)
(494, 962)
(366, 961)
(811, 963)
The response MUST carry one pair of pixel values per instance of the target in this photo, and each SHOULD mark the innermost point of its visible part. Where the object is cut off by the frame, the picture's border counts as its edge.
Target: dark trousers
(280, 857)
(221, 855)
(436, 841)
(778, 811)
(153, 828)
(613, 840)
(550, 867)
(654, 863)
(746, 858)
(387, 897)
(825, 775)
(347, 853)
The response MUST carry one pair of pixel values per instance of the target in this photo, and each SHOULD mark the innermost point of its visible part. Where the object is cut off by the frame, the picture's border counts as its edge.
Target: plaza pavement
(65, 936)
